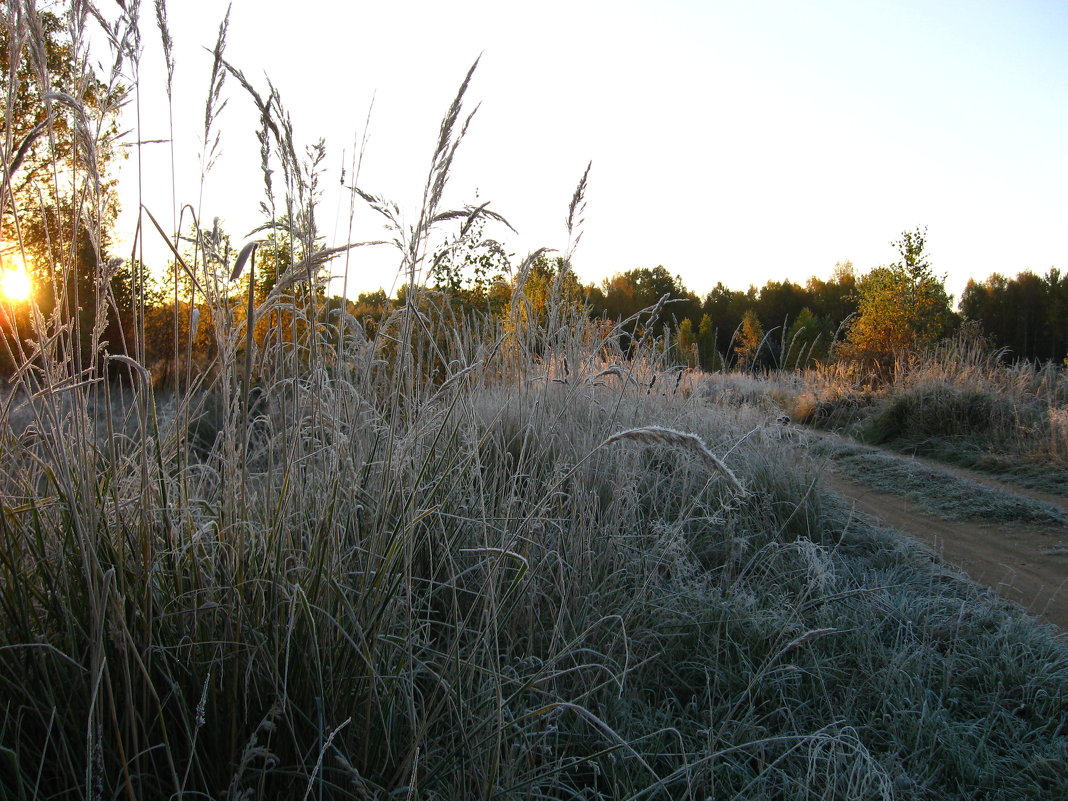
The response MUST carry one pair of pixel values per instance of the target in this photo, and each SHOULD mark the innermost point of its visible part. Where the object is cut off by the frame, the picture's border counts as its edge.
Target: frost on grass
(669, 437)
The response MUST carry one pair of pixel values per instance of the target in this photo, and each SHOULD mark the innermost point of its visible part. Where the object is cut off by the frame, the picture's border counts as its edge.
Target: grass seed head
(669, 437)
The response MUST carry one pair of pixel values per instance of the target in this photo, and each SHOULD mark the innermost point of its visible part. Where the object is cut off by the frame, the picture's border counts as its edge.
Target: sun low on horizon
(16, 286)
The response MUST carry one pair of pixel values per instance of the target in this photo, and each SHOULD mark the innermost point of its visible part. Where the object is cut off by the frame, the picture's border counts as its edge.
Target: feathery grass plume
(356, 167)
(576, 213)
(168, 43)
(615, 370)
(273, 121)
(82, 129)
(296, 185)
(659, 435)
(523, 273)
(124, 33)
(446, 150)
(20, 152)
(307, 269)
(215, 102)
(470, 214)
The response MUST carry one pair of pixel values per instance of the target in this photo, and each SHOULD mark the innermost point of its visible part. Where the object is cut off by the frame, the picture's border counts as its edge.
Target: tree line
(98, 301)
(1027, 314)
(872, 319)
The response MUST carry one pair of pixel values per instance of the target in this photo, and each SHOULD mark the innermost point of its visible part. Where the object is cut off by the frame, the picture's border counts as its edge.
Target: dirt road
(1025, 564)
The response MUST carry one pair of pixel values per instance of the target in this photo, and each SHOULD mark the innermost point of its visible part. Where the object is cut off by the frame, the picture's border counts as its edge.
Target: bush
(926, 413)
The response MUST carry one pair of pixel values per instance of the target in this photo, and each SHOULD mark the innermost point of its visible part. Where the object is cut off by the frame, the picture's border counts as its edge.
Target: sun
(15, 284)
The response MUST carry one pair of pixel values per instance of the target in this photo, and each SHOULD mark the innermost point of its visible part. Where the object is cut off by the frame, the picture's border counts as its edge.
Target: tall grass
(463, 557)
(969, 404)
(961, 401)
(973, 387)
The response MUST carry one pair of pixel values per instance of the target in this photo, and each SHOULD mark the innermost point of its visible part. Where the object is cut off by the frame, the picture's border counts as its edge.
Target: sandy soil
(1025, 564)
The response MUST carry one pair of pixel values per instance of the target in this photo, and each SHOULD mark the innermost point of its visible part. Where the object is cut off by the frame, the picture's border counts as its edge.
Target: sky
(733, 142)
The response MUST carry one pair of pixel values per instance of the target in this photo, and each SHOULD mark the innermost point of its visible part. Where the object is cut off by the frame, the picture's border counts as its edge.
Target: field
(457, 554)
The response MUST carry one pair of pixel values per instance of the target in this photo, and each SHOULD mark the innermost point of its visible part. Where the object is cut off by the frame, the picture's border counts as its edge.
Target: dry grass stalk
(659, 435)
(613, 370)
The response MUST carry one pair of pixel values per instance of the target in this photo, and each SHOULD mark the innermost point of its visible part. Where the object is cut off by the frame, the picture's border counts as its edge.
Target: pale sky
(739, 142)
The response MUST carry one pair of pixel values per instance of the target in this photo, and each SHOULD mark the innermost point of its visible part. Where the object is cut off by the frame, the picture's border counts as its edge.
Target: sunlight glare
(15, 284)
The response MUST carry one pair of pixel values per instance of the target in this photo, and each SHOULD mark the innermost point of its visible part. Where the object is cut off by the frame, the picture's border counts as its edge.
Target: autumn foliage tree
(57, 200)
(748, 340)
(626, 294)
(901, 307)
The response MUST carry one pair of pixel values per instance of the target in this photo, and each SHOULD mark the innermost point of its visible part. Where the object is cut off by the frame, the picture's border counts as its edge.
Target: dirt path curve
(1025, 564)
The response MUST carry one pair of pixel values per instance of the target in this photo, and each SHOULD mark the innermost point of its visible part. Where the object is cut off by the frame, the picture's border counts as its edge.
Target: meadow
(469, 555)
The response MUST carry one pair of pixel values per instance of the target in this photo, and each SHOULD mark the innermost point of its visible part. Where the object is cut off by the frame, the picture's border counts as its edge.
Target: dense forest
(871, 318)
(797, 324)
